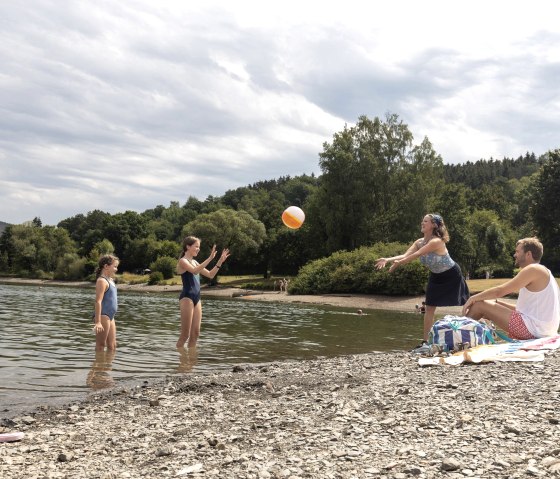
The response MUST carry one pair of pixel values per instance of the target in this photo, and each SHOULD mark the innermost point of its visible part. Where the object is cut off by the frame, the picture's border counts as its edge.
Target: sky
(128, 105)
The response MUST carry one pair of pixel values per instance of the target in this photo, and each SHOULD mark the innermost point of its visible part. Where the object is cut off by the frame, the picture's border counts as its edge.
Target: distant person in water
(106, 303)
(189, 299)
(446, 285)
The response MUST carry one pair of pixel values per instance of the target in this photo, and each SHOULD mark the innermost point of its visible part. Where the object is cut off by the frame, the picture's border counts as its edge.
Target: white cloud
(117, 106)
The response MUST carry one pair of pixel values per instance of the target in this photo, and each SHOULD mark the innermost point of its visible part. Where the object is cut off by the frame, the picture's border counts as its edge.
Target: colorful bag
(454, 333)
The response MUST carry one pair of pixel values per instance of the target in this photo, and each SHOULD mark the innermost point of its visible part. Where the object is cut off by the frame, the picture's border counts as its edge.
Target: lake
(47, 344)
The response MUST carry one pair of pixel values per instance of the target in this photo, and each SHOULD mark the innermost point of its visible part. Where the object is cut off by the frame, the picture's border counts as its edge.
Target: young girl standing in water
(106, 304)
(189, 299)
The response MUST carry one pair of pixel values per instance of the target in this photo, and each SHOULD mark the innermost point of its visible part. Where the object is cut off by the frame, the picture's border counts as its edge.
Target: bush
(354, 272)
(165, 265)
(260, 286)
(71, 268)
(155, 277)
(40, 274)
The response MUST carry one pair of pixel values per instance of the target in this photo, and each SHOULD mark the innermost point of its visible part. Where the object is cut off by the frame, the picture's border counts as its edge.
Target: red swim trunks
(517, 328)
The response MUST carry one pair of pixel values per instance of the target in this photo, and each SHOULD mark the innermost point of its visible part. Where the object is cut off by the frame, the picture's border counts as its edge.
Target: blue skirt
(447, 289)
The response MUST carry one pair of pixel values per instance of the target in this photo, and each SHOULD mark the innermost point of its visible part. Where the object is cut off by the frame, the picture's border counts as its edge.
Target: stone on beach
(343, 417)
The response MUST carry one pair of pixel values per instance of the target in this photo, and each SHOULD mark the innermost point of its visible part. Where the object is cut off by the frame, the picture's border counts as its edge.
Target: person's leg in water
(195, 325)
(101, 336)
(111, 341)
(186, 308)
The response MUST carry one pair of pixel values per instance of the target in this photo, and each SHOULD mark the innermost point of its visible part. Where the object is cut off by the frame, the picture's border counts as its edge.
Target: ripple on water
(47, 343)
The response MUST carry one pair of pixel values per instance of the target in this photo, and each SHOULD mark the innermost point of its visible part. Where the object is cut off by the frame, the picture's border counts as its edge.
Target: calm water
(47, 345)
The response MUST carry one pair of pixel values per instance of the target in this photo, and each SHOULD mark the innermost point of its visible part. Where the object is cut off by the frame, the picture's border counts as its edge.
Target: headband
(437, 219)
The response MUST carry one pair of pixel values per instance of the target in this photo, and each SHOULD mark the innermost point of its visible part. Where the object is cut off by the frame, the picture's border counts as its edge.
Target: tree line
(375, 185)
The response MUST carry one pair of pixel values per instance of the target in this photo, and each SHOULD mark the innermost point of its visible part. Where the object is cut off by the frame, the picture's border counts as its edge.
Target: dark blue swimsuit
(191, 287)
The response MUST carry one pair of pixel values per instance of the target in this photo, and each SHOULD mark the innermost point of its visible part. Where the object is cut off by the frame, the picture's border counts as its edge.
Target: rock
(27, 420)
(307, 419)
(164, 451)
(413, 470)
(533, 471)
(450, 464)
(65, 457)
(191, 469)
(6, 422)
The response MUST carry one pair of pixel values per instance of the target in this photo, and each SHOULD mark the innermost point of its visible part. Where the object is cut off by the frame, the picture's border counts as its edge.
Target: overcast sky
(125, 105)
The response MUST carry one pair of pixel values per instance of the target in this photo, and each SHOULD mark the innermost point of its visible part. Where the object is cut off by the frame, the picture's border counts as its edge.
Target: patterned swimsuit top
(436, 263)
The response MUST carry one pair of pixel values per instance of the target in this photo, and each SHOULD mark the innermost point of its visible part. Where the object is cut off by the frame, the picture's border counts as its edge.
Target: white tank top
(541, 309)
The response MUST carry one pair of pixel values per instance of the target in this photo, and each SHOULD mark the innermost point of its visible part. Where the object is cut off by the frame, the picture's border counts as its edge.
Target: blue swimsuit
(437, 263)
(109, 304)
(191, 287)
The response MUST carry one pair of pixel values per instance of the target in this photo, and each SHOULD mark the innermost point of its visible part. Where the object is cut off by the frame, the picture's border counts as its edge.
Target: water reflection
(187, 359)
(99, 376)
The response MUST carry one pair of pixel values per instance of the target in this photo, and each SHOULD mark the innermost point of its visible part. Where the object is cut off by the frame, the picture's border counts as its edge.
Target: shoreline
(359, 416)
(374, 415)
(351, 301)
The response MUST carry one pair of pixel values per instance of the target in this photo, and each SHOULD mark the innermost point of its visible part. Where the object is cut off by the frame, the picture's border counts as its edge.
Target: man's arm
(523, 279)
(507, 305)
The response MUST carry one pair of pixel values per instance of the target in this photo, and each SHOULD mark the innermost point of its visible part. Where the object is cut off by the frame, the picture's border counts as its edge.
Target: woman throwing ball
(189, 299)
(446, 285)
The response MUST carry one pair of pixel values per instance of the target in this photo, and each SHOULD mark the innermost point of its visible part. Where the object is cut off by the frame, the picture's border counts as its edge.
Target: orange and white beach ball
(293, 217)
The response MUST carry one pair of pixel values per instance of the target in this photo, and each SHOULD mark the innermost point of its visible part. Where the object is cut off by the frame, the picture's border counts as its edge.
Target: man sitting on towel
(537, 313)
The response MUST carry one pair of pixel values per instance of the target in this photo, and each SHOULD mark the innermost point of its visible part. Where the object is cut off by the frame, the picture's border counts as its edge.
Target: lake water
(47, 351)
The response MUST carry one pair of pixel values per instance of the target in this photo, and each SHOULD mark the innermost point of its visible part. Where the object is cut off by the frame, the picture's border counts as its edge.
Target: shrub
(155, 277)
(165, 265)
(345, 272)
(71, 268)
(261, 286)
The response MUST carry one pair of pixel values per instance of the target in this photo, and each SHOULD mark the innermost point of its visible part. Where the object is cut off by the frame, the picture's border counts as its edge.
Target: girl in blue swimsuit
(106, 304)
(446, 285)
(189, 299)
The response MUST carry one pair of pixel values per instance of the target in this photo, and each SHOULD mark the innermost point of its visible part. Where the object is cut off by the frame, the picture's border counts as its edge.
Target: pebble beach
(377, 415)
(372, 415)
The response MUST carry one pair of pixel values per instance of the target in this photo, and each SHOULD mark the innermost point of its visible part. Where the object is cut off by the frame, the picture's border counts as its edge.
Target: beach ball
(293, 217)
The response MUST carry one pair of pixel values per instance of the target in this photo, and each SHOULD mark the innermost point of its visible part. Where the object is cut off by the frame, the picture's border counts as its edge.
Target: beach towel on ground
(528, 350)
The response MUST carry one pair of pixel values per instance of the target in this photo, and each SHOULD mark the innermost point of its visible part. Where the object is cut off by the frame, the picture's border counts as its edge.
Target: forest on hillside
(375, 186)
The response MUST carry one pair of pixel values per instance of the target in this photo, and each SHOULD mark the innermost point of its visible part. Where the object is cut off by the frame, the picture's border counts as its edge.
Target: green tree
(34, 249)
(166, 265)
(373, 175)
(141, 252)
(121, 229)
(227, 228)
(544, 208)
(521, 218)
(490, 243)
(101, 248)
(452, 204)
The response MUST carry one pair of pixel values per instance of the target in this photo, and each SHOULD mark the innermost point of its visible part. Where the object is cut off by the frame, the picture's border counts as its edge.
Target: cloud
(118, 106)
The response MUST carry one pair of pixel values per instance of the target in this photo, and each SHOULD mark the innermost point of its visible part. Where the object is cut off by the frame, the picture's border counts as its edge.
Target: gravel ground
(361, 416)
